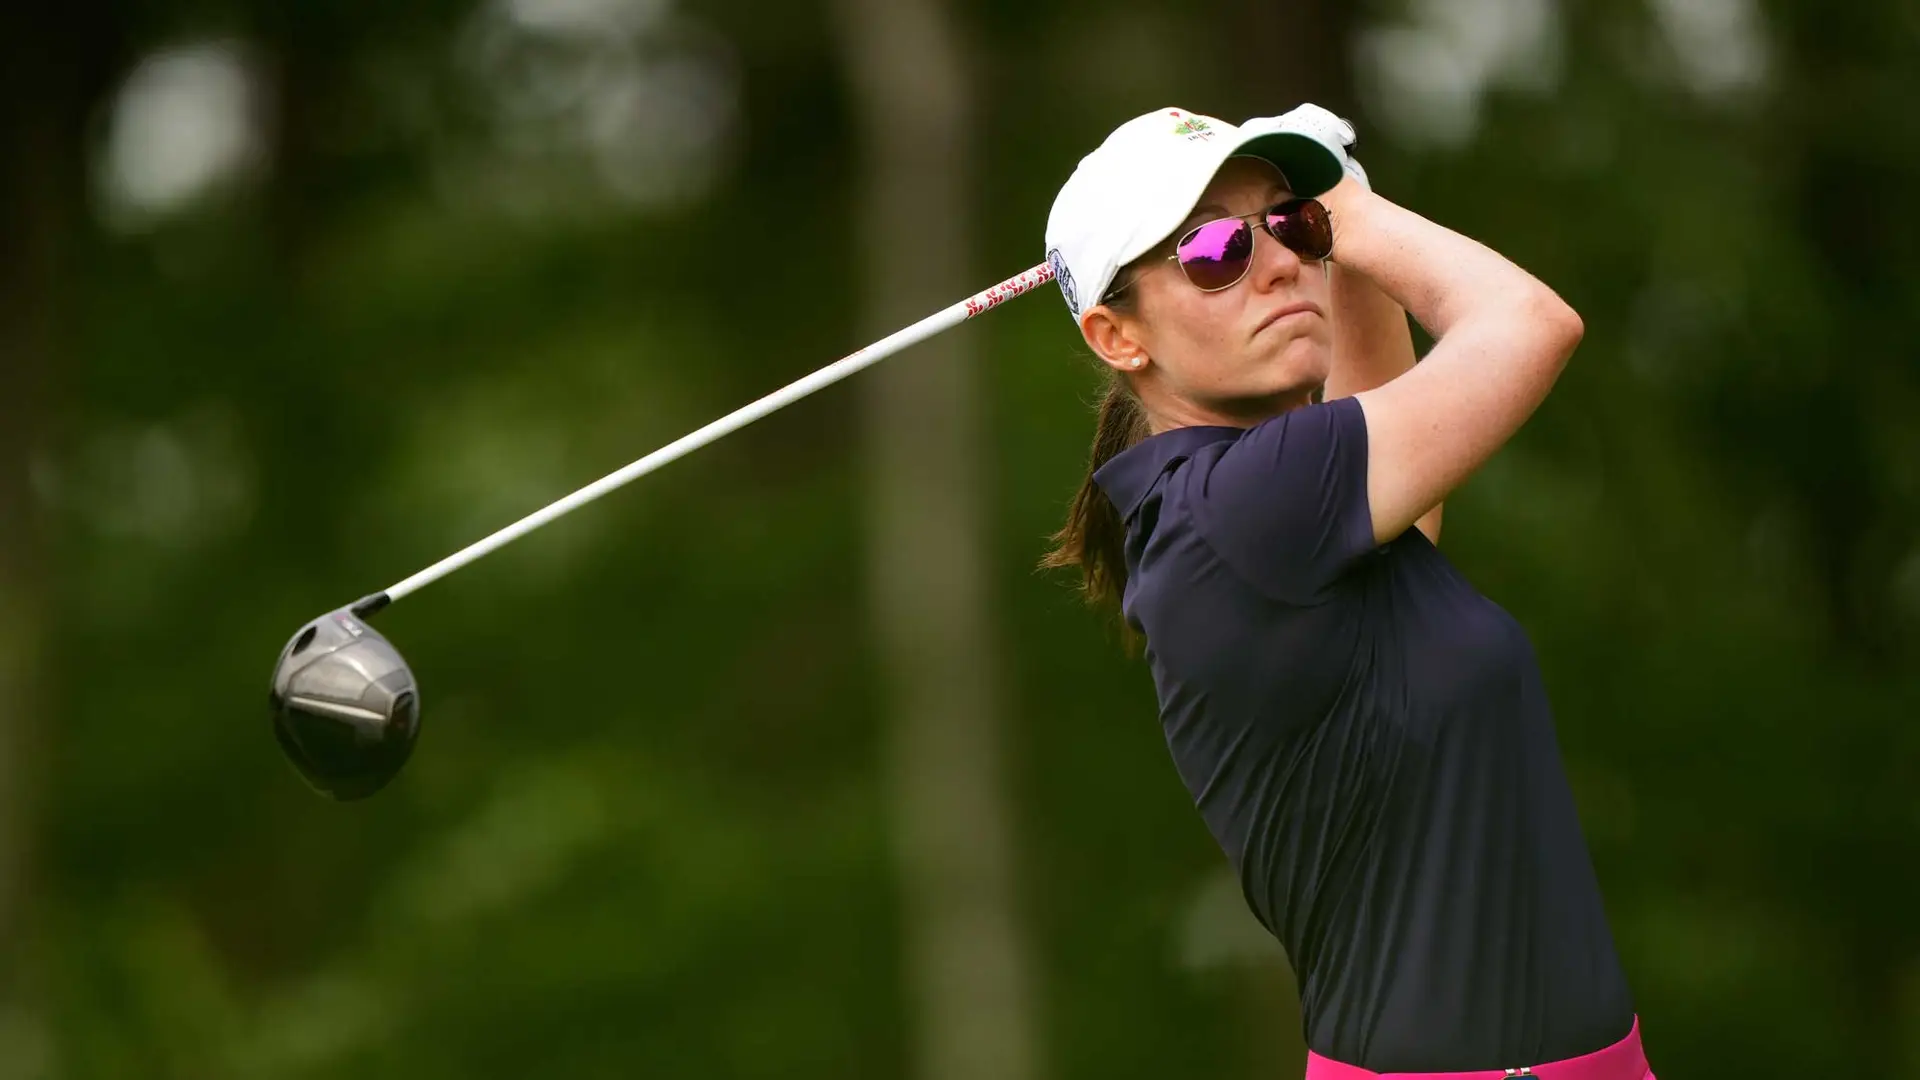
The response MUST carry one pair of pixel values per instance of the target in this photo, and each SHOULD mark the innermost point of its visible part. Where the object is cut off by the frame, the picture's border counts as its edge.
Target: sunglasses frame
(1259, 221)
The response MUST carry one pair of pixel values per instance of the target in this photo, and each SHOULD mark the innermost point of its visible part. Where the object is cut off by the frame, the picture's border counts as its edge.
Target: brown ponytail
(1094, 537)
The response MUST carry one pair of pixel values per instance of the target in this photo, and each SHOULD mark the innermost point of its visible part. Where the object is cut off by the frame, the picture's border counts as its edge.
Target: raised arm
(1501, 339)
(1372, 346)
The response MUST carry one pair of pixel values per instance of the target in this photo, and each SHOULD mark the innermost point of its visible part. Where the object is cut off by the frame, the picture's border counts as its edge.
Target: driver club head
(345, 706)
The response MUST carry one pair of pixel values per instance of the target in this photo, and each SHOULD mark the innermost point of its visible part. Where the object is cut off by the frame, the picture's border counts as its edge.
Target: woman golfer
(1365, 734)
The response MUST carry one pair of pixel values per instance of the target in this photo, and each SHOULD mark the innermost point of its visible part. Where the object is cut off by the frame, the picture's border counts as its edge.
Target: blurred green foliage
(645, 833)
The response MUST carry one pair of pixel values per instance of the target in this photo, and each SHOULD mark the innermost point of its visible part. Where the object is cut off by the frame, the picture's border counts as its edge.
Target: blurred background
(785, 762)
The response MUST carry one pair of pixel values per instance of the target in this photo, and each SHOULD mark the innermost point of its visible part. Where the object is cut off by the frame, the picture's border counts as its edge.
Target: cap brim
(1310, 168)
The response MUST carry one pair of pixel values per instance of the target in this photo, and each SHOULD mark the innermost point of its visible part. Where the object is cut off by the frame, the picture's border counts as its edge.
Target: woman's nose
(1274, 263)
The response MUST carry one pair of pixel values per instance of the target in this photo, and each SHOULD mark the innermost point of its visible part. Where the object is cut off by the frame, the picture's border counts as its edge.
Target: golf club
(346, 708)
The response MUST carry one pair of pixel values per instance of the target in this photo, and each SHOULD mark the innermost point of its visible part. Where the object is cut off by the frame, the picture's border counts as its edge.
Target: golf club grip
(977, 304)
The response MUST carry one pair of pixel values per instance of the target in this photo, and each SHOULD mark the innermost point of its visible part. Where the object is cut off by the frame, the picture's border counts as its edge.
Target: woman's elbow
(1558, 324)
(1571, 326)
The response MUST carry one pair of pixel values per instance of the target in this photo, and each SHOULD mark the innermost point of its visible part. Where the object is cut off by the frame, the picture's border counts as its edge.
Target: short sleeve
(1285, 505)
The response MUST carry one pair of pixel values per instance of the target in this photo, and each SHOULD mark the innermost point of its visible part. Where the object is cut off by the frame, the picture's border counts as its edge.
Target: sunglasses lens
(1216, 254)
(1303, 225)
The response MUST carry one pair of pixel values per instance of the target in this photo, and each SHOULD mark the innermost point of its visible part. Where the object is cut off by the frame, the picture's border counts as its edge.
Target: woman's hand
(1329, 130)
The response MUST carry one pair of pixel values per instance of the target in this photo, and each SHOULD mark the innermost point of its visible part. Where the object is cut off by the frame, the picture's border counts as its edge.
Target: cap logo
(1192, 127)
(1065, 279)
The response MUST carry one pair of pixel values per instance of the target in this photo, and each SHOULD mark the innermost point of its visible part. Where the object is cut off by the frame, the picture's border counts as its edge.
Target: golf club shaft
(977, 304)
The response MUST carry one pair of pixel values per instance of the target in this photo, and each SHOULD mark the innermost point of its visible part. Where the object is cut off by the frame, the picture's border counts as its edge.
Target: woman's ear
(1114, 338)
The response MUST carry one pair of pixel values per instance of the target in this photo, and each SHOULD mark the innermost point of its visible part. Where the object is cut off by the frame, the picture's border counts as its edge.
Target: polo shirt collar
(1130, 474)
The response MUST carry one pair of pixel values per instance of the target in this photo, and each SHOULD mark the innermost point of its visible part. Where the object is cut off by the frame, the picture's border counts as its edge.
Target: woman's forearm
(1372, 344)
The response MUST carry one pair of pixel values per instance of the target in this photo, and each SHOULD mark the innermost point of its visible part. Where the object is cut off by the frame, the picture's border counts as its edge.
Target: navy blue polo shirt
(1368, 739)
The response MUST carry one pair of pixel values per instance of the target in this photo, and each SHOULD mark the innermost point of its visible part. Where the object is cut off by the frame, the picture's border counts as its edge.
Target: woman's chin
(1300, 363)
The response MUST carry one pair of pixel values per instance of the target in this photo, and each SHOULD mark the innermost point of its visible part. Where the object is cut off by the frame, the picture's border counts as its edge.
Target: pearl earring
(1136, 361)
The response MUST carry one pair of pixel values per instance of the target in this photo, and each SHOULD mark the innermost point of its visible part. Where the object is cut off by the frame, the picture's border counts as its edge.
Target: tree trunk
(967, 969)
(51, 71)
(24, 345)
(1290, 53)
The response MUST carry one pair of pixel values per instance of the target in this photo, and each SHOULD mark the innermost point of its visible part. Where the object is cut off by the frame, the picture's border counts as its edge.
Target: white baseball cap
(1132, 192)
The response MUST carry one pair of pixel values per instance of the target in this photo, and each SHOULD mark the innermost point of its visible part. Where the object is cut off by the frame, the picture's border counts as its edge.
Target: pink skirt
(1623, 1060)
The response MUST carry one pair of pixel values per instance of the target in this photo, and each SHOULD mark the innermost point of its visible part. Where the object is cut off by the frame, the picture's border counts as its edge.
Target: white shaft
(976, 304)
